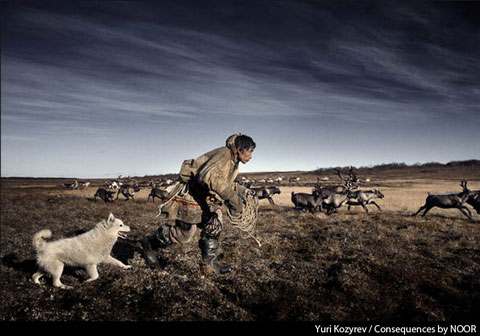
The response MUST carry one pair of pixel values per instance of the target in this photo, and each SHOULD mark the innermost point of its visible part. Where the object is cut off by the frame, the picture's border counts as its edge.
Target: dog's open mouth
(122, 234)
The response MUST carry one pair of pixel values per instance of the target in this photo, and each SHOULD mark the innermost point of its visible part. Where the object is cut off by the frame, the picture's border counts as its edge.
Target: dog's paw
(127, 266)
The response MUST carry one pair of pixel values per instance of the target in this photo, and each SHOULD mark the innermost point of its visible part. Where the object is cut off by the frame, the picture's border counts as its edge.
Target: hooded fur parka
(210, 175)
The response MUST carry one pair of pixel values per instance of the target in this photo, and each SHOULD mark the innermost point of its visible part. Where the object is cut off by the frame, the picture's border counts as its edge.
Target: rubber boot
(159, 239)
(209, 247)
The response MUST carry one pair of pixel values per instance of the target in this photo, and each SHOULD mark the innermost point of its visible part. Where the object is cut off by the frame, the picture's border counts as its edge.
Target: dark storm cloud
(302, 50)
(367, 52)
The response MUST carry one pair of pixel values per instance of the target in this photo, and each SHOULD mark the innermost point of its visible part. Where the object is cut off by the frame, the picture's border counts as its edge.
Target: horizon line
(476, 161)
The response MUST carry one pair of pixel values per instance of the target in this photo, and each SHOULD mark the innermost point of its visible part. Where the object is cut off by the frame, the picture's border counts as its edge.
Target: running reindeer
(364, 197)
(333, 197)
(448, 201)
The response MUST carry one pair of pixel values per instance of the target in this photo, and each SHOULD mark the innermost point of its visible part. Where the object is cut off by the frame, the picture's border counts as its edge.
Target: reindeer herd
(326, 199)
(127, 188)
(331, 198)
(76, 185)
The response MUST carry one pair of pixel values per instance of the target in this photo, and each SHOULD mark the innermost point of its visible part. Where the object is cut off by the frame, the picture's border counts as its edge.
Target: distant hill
(469, 169)
(402, 165)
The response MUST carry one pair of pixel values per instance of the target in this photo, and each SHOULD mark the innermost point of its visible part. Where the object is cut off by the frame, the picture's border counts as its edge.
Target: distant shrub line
(403, 165)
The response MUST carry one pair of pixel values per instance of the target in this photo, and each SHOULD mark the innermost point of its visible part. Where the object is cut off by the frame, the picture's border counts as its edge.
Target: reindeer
(128, 191)
(84, 185)
(266, 192)
(156, 192)
(332, 200)
(364, 197)
(448, 201)
(333, 197)
(114, 185)
(105, 195)
(303, 201)
(347, 183)
(474, 200)
(73, 185)
(293, 179)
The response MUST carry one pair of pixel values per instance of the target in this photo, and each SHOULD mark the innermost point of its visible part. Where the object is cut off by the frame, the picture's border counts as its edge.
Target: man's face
(245, 156)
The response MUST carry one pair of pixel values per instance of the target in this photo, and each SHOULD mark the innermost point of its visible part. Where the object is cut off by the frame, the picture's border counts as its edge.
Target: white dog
(86, 250)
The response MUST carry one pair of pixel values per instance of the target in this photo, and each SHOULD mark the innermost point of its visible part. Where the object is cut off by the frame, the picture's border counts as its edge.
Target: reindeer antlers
(350, 181)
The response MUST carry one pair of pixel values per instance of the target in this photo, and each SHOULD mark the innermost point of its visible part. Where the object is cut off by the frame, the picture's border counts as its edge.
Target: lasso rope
(247, 220)
(182, 189)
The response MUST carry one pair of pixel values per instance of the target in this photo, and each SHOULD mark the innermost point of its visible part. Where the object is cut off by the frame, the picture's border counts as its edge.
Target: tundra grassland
(348, 266)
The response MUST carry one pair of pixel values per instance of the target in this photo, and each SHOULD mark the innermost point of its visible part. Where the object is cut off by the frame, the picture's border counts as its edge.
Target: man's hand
(250, 193)
(236, 209)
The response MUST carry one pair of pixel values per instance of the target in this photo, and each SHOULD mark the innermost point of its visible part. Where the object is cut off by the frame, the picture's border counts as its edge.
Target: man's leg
(209, 243)
(159, 239)
(182, 232)
(165, 236)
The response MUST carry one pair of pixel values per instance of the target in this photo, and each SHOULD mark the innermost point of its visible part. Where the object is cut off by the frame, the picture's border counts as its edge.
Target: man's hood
(230, 143)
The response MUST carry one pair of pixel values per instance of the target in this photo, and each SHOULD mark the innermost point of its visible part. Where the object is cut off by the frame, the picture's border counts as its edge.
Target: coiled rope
(247, 220)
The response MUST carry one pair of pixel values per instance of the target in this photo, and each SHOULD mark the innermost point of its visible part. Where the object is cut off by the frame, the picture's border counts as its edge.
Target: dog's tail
(39, 238)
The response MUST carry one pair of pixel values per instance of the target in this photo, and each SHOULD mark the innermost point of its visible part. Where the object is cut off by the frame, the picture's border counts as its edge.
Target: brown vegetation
(347, 266)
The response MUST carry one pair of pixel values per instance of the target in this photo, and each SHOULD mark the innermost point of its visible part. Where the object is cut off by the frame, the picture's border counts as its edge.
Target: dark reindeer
(159, 193)
(474, 200)
(73, 185)
(128, 191)
(105, 195)
(303, 201)
(448, 201)
(266, 192)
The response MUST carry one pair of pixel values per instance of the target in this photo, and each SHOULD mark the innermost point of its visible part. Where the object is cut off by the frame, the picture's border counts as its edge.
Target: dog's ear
(110, 219)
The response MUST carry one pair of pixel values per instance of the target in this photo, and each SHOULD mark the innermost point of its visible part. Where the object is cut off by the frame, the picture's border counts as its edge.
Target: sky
(101, 89)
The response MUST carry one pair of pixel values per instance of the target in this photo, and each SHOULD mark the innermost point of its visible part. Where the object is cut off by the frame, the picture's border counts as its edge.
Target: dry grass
(348, 266)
